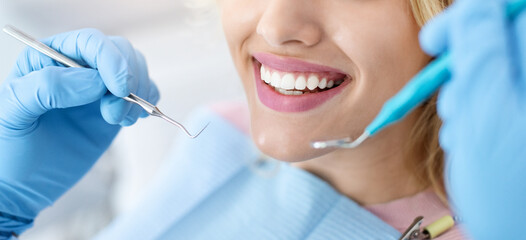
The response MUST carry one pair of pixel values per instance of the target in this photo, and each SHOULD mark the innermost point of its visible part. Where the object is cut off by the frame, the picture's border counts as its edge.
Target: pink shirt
(400, 213)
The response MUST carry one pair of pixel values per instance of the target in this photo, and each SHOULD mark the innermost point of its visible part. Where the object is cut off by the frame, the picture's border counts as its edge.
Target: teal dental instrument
(415, 92)
(37, 45)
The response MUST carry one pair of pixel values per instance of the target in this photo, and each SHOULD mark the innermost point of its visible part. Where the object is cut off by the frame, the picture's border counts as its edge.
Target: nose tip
(307, 35)
(282, 24)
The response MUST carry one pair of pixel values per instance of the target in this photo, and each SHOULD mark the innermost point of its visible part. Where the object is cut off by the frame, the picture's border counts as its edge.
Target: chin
(284, 148)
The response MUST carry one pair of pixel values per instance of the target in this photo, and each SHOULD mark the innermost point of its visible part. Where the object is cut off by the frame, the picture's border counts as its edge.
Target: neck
(375, 172)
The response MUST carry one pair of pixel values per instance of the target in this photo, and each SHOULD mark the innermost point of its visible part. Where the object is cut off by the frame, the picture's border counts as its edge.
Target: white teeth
(288, 92)
(267, 77)
(262, 71)
(312, 82)
(323, 83)
(288, 82)
(330, 84)
(301, 83)
(282, 91)
(275, 81)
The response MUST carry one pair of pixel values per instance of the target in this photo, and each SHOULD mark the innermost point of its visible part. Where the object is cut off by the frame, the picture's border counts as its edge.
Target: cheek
(385, 49)
(239, 19)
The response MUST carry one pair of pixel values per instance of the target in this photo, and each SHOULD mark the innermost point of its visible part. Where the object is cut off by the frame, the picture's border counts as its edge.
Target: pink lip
(291, 103)
(291, 64)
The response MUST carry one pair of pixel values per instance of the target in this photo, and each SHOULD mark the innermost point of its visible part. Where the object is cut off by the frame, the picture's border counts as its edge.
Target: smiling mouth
(299, 83)
(292, 85)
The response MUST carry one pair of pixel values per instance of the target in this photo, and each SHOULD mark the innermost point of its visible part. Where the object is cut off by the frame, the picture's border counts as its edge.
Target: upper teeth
(288, 81)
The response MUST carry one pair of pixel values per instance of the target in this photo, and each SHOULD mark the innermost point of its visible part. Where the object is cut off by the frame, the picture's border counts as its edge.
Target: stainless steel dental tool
(416, 91)
(37, 45)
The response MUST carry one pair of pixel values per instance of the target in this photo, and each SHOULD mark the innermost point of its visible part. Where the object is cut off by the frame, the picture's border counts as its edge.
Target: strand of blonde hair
(431, 169)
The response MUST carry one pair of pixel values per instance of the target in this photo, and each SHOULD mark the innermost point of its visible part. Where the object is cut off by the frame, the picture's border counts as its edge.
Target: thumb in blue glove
(483, 109)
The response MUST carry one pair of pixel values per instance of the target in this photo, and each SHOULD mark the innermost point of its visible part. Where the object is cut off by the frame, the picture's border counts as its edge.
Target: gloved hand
(483, 109)
(55, 122)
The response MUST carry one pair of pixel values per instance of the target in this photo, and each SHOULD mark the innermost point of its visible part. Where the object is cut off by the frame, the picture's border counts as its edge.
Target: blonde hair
(423, 10)
(426, 129)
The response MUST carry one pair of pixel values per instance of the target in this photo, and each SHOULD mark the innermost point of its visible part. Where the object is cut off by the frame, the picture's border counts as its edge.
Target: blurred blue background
(188, 59)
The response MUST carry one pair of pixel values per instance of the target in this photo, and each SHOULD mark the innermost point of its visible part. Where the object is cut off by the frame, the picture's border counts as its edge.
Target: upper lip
(287, 64)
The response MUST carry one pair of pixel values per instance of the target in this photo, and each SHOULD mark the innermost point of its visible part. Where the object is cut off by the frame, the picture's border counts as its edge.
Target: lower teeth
(297, 92)
(288, 92)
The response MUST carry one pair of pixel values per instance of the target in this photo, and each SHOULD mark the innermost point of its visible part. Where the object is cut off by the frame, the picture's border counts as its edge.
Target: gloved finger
(142, 91)
(92, 48)
(50, 88)
(480, 25)
(129, 53)
(31, 60)
(144, 83)
(153, 98)
(479, 46)
(113, 108)
(130, 113)
(434, 35)
(144, 114)
(147, 87)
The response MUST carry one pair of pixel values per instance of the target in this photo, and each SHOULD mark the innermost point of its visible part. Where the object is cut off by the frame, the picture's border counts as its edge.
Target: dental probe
(44, 49)
(419, 89)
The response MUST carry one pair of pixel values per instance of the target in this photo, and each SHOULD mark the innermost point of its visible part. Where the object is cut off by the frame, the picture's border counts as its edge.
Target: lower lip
(292, 103)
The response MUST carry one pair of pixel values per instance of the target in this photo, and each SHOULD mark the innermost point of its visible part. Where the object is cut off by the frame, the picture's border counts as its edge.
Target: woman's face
(318, 69)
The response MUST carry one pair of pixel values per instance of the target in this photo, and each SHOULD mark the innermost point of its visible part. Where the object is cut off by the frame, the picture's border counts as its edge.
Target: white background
(187, 58)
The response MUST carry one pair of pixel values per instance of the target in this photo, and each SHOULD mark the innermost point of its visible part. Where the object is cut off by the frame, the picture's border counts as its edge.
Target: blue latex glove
(483, 109)
(55, 121)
